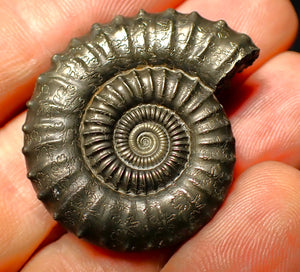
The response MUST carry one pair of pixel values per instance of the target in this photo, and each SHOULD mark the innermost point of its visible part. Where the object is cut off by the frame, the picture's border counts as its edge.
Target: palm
(257, 228)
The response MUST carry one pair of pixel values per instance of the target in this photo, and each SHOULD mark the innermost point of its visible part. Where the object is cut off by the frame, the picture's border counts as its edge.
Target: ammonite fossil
(125, 142)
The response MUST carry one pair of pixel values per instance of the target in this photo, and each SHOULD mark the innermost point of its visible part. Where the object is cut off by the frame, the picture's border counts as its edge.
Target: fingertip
(266, 123)
(258, 226)
(79, 255)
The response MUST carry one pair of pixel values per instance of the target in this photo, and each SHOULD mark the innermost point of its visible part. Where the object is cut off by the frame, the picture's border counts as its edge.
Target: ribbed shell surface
(149, 79)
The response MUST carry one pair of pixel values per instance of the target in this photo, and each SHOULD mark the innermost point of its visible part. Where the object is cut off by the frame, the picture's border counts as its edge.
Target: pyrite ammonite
(125, 142)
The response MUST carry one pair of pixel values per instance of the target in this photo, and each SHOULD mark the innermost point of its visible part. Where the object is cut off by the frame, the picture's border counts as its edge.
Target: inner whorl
(129, 141)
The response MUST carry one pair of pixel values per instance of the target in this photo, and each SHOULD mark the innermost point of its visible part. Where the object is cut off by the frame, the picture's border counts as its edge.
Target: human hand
(258, 226)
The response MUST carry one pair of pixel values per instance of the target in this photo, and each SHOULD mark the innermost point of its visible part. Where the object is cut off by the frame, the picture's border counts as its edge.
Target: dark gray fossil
(125, 142)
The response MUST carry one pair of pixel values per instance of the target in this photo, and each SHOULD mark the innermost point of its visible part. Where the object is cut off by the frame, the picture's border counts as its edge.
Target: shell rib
(125, 142)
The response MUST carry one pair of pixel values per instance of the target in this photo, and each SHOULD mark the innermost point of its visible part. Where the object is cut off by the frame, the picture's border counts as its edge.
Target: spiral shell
(125, 142)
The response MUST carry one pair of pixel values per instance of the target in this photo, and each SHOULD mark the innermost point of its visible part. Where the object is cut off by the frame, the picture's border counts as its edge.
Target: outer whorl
(125, 143)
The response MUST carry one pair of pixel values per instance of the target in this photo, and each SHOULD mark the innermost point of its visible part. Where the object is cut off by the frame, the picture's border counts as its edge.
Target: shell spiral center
(141, 143)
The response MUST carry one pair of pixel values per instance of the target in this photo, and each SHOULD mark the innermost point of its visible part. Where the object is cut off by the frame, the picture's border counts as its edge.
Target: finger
(266, 126)
(257, 229)
(39, 28)
(24, 222)
(272, 25)
(81, 256)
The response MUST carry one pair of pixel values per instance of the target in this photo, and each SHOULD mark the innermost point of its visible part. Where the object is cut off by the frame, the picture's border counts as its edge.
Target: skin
(257, 227)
